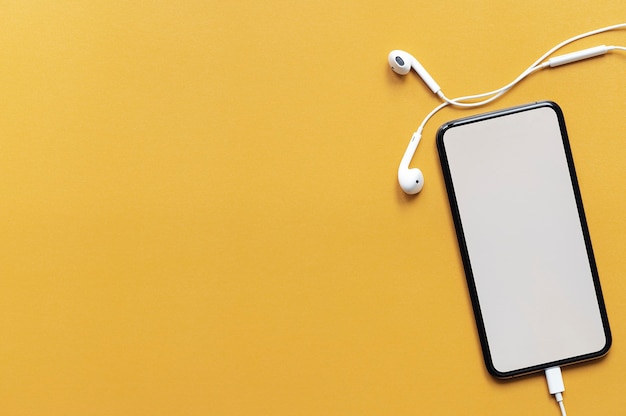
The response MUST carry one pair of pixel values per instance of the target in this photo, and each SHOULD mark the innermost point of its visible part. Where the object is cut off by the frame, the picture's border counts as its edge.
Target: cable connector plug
(556, 386)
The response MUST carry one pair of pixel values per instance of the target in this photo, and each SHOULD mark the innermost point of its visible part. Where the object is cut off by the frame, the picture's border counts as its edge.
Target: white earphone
(401, 62)
(411, 180)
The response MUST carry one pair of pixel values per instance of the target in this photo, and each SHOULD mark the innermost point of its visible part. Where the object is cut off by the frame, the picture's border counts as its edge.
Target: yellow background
(200, 215)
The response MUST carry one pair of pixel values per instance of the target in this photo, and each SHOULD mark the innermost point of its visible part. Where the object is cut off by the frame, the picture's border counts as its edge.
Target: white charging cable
(556, 386)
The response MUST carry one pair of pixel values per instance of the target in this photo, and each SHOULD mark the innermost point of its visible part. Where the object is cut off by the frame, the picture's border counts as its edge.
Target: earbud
(401, 63)
(411, 180)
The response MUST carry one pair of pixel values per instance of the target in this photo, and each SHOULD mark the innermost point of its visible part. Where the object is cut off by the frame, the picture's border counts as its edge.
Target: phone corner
(441, 131)
(607, 344)
(550, 104)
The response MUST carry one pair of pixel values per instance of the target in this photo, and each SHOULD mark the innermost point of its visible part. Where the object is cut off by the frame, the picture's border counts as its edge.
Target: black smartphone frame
(467, 258)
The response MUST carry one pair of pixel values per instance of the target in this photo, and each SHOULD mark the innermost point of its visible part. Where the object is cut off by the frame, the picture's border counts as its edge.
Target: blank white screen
(524, 239)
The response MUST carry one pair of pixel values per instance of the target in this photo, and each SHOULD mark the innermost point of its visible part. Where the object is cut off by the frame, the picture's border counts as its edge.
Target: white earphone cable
(455, 102)
(432, 113)
(537, 65)
(460, 101)
(411, 180)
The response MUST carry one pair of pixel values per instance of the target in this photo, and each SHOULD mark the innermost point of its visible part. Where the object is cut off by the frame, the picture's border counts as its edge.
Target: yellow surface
(200, 214)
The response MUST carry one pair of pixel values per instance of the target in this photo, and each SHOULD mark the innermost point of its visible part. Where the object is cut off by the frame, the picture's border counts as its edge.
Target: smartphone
(523, 238)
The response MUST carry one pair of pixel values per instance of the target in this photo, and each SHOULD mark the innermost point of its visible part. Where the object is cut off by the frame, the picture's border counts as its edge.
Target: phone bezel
(466, 259)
